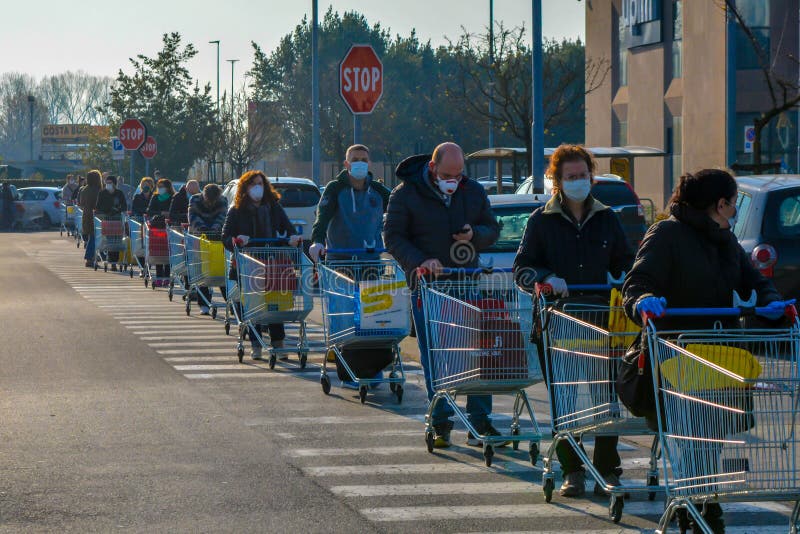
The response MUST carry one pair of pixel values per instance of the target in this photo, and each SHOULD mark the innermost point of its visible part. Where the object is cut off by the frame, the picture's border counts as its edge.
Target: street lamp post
(537, 125)
(214, 160)
(315, 139)
(31, 100)
(232, 62)
(491, 90)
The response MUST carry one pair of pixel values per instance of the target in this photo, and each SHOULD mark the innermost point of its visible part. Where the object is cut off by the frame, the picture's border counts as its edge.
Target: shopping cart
(205, 264)
(274, 287)
(79, 227)
(581, 354)
(68, 221)
(177, 260)
(365, 305)
(109, 236)
(232, 300)
(479, 344)
(156, 252)
(727, 407)
(137, 243)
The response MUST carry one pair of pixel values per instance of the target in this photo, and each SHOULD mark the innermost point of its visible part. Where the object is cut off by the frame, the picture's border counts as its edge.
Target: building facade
(686, 78)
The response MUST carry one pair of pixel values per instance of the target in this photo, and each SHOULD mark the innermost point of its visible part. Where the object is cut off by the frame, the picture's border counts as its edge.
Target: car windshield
(742, 213)
(614, 194)
(512, 221)
(297, 195)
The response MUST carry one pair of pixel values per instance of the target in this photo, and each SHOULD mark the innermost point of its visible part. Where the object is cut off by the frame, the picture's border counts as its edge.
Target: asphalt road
(120, 413)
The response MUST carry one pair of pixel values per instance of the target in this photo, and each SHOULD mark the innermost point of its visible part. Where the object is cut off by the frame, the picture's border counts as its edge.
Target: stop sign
(361, 79)
(132, 134)
(149, 149)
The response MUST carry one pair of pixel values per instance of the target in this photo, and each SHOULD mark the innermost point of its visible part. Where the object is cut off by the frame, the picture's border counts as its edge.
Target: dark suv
(768, 228)
(616, 193)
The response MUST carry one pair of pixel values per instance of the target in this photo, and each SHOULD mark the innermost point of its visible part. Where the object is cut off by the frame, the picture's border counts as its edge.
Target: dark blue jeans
(89, 254)
(479, 407)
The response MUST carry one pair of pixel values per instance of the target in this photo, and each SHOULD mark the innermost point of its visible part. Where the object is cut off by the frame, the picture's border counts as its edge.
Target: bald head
(447, 161)
(192, 187)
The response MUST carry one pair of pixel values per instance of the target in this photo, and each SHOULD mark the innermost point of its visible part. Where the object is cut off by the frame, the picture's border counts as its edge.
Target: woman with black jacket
(693, 260)
(111, 204)
(575, 239)
(157, 213)
(257, 214)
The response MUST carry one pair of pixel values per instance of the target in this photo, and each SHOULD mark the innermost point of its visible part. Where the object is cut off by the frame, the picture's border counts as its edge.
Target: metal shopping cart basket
(479, 344)
(365, 305)
(232, 300)
(275, 287)
(68, 221)
(205, 265)
(727, 407)
(156, 252)
(109, 236)
(177, 260)
(135, 235)
(79, 227)
(582, 350)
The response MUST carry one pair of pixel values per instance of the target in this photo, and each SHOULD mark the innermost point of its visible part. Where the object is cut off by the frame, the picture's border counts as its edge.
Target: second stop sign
(361, 79)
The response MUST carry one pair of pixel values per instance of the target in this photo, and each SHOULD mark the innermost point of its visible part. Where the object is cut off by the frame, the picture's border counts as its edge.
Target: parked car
(768, 228)
(27, 214)
(49, 198)
(490, 185)
(512, 212)
(615, 193)
(299, 197)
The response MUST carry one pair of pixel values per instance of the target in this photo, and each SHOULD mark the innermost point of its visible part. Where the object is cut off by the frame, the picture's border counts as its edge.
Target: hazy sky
(42, 37)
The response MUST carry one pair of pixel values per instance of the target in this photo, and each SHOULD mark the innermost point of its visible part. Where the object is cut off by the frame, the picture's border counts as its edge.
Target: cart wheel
(515, 443)
(548, 485)
(326, 384)
(79, 244)
(399, 392)
(362, 394)
(303, 359)
(213, 313)
(533, 450)
(169, 295)
(272, 360)
(145, 282)
(105, 267)
(615, 508)
(95, 265)
(188, 308)
(240, 352)
(227, 328)
(153, 284)
(488, 454)
(130, 271)
(393, 386)
(429, 439)
(652, 481)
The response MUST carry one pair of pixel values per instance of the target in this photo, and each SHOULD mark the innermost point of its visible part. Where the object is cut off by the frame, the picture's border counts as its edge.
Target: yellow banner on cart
(212, 255)
(383, 304)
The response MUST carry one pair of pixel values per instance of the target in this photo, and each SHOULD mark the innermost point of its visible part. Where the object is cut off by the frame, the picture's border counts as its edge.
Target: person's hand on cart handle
(241, 240)
(652, 307)
(295, 240)
(556, 285)
(430, 266)
(464, 235)
(316, 250)
(777, 309)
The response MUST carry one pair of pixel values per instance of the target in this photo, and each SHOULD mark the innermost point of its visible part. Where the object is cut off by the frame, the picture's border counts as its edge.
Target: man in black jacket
(438, 218)
(111, 203)
(179, 209)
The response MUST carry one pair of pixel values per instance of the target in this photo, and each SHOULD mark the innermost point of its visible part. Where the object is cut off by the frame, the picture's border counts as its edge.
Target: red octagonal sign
(361, 79)
(149, 148)
(132, 134)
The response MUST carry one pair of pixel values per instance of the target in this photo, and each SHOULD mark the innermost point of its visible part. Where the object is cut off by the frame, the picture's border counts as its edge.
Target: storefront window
(756, 16)
(677, 39)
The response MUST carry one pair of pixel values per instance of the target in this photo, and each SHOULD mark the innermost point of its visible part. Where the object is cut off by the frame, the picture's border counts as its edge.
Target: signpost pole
(537, 125)
(133, 154)
(316, 149)
(356, 129)
(146, 168)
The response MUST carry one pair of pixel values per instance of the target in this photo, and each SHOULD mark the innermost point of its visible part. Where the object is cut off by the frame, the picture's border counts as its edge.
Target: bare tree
(15, 120)
(74, 97)
(506, 81)
(246, 132)
(783, 90)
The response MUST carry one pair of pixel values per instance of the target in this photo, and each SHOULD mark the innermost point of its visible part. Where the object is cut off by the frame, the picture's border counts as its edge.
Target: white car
(299, 198)
(512, 212)
(49, 199)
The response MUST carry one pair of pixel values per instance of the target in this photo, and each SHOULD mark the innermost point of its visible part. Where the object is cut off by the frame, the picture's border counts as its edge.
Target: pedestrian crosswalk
(373, 458)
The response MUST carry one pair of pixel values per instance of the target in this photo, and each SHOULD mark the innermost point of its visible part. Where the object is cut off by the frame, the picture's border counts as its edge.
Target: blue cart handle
(354, 251)
(471, 270)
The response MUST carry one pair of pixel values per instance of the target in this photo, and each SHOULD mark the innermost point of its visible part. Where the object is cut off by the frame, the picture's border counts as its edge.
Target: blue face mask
(359, 170)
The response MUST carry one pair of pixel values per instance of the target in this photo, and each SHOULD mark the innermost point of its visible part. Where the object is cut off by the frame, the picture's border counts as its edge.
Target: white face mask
(359, 170)
(577, 190)
(110, 187)
(448, 187)
(256, 192)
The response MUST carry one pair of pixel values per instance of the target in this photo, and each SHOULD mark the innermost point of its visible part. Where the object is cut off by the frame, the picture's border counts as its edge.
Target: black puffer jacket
(158, 206)
(256, 222)
(111, 203)
(554, 243)
(140, 204)
(692, 262)
(419, 225)
(179, 207)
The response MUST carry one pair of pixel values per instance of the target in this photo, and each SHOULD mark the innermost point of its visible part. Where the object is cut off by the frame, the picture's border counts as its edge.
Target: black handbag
(634, 382)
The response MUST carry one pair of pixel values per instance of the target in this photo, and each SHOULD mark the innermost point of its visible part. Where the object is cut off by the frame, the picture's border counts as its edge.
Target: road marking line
(228, 343)
(199, 351)
(198, 337)
(182, 359)
(220, 367)
(207, 376)
(479, 488)
(371, 451)
(415, 469)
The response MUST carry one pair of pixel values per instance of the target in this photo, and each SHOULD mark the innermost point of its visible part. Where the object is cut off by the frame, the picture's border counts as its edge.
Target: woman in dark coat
(141, 200)
(575, 239)
(111, 203)
(87, 202)
(257, 214)
(692, 259)
(157, 213)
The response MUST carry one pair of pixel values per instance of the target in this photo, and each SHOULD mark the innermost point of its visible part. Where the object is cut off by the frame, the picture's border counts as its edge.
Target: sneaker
(255, 353)
(612, 479)
(574, 484)
(441, 438)
(350, 384)
(141, 274)
(204, 310)
(713, 517)
(89, 263)
(486, 430)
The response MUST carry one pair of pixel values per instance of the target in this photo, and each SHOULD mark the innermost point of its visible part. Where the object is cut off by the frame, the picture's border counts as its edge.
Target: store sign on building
(640, 22)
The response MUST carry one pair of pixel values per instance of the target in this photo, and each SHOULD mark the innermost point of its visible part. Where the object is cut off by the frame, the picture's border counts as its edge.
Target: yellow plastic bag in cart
(619, 323)
(688, 374)
(212, 254)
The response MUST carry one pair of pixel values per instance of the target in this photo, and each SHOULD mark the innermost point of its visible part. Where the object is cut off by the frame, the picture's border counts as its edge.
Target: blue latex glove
(653, 306)
(776, 309)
